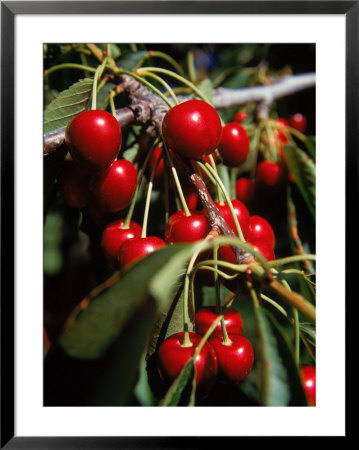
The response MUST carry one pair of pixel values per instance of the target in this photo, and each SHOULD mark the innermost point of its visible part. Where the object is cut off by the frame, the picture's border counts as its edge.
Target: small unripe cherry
(234, 144)
(94, 138)
(114, 189)
(192, 129)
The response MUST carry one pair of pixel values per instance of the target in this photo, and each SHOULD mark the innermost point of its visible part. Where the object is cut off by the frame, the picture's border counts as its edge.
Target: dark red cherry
(241, 116)
(137, 248)
(308, 376)
(206, 316)
(182, 228)
(240, 211)
(73, 184)
(172, 357)
(114, 189)
(299, 122)
(114, 235)
(282, 130)
(235, 358)
(94, 138)
(245, 190)
(234, 144)
(263, 247)
(270, 173)
(259, 228)
(192, 129)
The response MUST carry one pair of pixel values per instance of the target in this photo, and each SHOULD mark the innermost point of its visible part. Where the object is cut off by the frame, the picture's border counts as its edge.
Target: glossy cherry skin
(114, 235)
(206, 316)
(245, 190)
(263, 247)
(308, 376)
(270, 173)
(73, 184)
(240, 116)
(172, 357)
(234, 144)
(240, 211)
(235, 359)
(299, 122)
(158, 152)
(259, 228)
(114, 189)
(137, 248)
(94, 138)
(182, 228)
(192, 129)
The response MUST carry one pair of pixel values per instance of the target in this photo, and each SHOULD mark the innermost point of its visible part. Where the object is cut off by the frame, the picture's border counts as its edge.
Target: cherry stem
(219, 192)
(206, 336)
(168, 58)
(191, 68)
(178, 184)
(139, 180)
(69, 66)
(228, 200)
(148, 199)
(112, 103)
(296, 327)
(97, 76)
(163, 82)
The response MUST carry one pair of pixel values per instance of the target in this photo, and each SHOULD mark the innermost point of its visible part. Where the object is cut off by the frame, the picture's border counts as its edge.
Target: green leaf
(309, 142)
(102, 321)
(206, 88)
(131, 60)
(67, 105)
(273, 378)
(303, 169)
(183, 389)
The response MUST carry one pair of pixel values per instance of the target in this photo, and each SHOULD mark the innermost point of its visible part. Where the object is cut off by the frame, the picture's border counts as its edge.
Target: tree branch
(147, 108)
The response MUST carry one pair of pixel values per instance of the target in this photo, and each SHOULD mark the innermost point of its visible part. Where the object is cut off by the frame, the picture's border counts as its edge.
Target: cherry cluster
(227, 356)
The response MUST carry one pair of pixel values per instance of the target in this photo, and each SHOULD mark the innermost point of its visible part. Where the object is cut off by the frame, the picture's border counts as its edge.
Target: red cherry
(202, 174)
(137, 248)
(269, 173)
(94, 138)
(114, 235)
(299, 122)
(263, 247)
(240, 116)
(114, 189)
(191, 198)
(245, 190)
(234, 144)
(156, 154)
(240, 211)
(308, 376)
(73, 184)
(192, 129)
(282, 130)
(182, 228)
(172, 357)
(259, 228)
(206, 316)
(235, 359)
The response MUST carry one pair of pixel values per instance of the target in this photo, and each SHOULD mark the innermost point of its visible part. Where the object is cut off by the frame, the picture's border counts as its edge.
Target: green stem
(68, 66)
(190, 65)
(148, 199)
(178, 184)
(163, 82)
(296, 327)
(168, 58)
(145, 82)
(219, 192)
(96, 78)
(112, 103)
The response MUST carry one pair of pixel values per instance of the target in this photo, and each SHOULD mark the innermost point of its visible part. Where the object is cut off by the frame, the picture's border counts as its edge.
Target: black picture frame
(9, 9)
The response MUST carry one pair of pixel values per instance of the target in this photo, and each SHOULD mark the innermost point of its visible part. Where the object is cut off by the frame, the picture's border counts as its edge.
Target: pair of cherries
(93, 175)
(228, 360)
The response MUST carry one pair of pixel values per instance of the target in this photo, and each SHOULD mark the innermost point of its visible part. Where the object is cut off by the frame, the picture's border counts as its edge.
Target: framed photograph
(175, 182)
